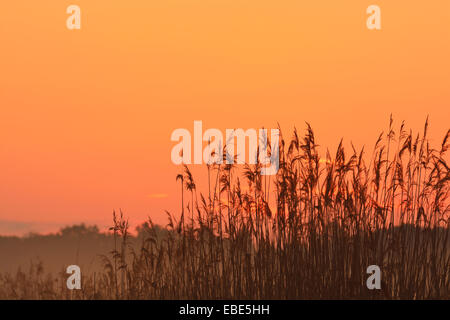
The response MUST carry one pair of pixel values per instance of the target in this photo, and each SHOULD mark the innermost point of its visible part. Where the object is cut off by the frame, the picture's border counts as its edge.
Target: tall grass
(308, 232)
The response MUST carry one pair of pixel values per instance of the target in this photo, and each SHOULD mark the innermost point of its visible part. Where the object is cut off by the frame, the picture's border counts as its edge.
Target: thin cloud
(159, 195)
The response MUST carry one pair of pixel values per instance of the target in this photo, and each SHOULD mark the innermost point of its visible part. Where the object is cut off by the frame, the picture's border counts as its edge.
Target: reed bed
(308, 232)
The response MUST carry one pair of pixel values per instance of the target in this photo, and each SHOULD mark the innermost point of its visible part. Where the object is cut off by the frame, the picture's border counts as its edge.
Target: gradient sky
(86, 115)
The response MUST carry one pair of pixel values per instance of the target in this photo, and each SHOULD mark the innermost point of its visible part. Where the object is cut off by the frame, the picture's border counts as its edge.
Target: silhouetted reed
(308, 232)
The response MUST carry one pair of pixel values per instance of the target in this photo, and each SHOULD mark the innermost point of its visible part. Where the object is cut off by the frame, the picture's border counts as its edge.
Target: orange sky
(86, 115)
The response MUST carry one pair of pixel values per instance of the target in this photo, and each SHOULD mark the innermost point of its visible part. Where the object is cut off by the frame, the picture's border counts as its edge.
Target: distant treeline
(78, 244)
